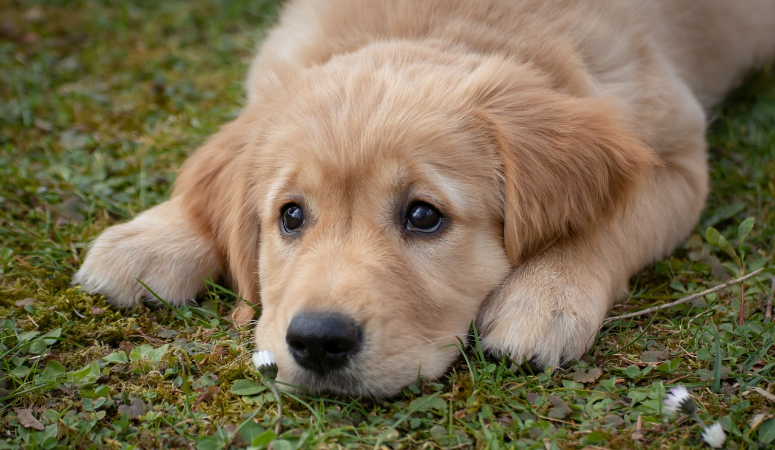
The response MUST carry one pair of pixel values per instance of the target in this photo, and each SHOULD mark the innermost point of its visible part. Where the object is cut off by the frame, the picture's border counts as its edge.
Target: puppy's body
(562, 143)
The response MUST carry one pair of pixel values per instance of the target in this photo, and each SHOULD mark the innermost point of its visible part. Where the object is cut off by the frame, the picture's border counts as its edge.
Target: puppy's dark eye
(292, 218)
(422, 217)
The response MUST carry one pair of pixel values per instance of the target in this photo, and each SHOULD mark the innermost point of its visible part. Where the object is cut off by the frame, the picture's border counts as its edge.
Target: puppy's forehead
(369, 134)
(354, 117)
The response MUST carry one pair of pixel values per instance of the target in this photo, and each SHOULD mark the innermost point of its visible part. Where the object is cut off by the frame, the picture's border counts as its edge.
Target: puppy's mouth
(341, 382)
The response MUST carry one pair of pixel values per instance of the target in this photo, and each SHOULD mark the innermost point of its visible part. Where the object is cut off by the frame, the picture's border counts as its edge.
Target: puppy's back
(711, 41)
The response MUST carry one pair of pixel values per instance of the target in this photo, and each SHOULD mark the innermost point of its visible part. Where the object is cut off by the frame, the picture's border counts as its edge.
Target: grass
(99, 99)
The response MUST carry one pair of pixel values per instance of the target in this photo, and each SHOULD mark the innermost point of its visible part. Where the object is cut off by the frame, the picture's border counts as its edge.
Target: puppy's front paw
(160, 248)
(548, 311)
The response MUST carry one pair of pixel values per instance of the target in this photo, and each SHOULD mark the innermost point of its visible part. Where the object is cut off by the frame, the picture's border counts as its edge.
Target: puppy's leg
(161, 248)
(176, 244)
(550, 308)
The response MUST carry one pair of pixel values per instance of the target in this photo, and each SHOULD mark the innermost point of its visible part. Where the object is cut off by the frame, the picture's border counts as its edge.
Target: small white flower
(266, 363)
(714, 435)
(679, 400)
(263, 358)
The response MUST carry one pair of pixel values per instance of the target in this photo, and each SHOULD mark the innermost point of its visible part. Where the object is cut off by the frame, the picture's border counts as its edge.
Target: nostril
(322, 341)
(296, 345)
(335, 348)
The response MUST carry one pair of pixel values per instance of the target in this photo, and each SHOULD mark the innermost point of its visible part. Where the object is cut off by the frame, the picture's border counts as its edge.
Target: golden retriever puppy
(403, 168)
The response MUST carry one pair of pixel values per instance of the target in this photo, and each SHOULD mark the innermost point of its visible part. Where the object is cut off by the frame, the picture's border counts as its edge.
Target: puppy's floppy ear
(214, 186)
(567, 162)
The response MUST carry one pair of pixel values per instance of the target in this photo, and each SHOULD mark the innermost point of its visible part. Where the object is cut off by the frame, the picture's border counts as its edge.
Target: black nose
(323, 341)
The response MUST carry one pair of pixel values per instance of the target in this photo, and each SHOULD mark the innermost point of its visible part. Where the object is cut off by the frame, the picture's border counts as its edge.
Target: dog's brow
(400, 177)
(283, 183)
(451, 191)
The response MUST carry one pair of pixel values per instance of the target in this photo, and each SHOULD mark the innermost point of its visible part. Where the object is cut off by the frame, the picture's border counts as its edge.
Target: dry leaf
(207, 395)
(613, 421)
(134, 409)
(654, 356)
(126, 346)
(587, 377)
(25, 302)
(34, 14)
(560, 409)
(25, 418)
(30, 38)
(758, 419)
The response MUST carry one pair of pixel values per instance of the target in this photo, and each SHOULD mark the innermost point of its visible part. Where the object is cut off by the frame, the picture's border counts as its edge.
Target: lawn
(101, 100)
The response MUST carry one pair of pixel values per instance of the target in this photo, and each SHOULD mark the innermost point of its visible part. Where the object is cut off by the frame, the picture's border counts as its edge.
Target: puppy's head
(387, 192)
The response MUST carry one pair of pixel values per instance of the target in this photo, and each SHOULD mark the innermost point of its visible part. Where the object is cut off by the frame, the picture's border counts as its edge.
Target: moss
(229, 375)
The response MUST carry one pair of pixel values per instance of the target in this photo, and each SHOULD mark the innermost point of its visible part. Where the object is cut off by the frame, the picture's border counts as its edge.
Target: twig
(768, 310)
(685, 299)
(152, 340)
(764, 394)
(638, 433)
(75, 254)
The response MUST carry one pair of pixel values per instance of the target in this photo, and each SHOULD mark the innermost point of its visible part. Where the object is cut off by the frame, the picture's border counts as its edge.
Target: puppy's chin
(343, 382)
(353, 381)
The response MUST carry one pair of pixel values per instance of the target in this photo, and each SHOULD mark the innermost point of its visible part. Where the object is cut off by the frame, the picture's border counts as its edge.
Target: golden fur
(562, 141)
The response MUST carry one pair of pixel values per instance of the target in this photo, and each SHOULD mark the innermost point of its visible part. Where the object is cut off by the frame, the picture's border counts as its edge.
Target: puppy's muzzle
(323, 341)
